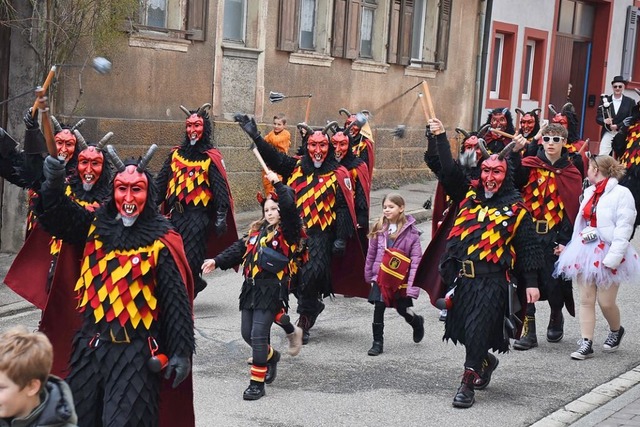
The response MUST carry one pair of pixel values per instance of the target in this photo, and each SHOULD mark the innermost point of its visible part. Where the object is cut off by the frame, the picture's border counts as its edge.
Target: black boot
(417, 323)
(555, 330)
(255, 390)
(272, 367)
(378, 340)
(304, 324)
(465, 395)
(489, 364)
(528, 339)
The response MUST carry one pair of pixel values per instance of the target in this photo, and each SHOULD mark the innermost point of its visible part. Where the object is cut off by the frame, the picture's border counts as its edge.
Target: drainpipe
(484, 28)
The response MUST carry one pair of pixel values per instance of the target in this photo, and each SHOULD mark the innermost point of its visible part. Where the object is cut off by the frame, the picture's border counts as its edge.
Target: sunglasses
(618, 86)
(554, 139)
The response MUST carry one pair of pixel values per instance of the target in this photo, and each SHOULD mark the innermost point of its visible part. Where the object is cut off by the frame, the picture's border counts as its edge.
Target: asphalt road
(333, 382)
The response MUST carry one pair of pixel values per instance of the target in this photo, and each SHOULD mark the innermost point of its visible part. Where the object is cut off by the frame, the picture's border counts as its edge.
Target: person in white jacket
(599, 256)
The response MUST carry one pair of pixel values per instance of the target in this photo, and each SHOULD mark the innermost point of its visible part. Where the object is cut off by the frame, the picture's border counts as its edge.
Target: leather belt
(471, 269)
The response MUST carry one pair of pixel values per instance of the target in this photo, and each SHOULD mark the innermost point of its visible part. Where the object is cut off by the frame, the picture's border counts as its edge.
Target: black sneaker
(612, 343)
(585, 351)
(254, 392)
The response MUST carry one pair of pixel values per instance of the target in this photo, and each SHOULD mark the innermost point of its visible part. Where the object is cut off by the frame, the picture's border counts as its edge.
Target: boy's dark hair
(25, 356)
(281, 116)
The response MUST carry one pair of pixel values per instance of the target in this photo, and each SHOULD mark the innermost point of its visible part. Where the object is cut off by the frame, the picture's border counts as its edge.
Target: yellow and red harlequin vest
(315, 197)
(118, 287)
(487, 232)
(631, 155)
(276, 241)
(542, 197)
(189, 182)
(55, 244)
(32, 196)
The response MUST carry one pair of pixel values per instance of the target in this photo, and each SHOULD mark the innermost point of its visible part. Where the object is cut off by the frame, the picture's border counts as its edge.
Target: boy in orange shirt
(280, 138)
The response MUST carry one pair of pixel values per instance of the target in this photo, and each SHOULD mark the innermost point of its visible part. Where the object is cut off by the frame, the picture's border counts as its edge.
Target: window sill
(239, 51)
(158, 41)
(317, 60)
(417, 71)
(369, 66)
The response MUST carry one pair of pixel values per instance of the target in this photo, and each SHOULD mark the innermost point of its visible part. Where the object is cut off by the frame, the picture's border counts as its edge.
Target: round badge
(135, 260)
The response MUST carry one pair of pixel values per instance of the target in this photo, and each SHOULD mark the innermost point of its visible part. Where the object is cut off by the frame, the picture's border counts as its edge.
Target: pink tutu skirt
(585, 260)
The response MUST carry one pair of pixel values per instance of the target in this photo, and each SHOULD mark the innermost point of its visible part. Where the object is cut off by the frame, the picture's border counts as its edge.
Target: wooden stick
(260, 159)
(499, 132)
(47, 129)
(427, 95)
(45, 86)
(425, 109)
(308, 112)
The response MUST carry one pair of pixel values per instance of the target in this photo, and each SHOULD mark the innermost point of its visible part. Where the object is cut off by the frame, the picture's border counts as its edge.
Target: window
(307, 24)
(630, 53)
(419, 32)
(181, 19)
(366, 29)
(533, 63)
(496, 65)
(501, 67)
(234, 25)
(529, 57)
(154, 13)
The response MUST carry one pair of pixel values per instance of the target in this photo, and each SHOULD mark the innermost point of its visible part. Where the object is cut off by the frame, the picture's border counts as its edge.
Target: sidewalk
(615, 403)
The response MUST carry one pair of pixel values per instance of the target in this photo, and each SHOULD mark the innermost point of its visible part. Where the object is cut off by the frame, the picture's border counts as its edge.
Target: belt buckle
(116, 340)
(542, 226)
(250, 281)
(468, 269)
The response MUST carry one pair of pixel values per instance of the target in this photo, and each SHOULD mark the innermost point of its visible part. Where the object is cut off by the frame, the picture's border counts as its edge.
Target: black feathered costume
(197, 199)
(134, 289)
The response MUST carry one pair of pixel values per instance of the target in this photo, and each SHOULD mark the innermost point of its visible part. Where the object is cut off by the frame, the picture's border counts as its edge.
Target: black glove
(30, 121)
(54, 172)
(428, 133)
(248, 124)
(339, 247)
(220, 225)
(181, 366)
(627, 121)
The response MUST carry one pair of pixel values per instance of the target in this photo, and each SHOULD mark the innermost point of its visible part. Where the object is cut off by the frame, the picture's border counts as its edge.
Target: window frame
(243, 24)
(501, 97)
(539, 39)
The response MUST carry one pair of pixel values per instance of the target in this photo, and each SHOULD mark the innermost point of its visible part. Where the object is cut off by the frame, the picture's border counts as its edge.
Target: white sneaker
(295, 341)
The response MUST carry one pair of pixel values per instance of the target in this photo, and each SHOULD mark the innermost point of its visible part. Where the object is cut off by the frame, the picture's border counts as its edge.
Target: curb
(589, 403)
(14, 308)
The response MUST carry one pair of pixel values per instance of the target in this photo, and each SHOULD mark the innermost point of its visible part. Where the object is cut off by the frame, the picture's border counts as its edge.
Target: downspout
(484, 28)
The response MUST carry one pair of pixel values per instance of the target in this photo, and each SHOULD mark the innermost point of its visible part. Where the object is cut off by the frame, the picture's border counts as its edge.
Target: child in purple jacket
(394, 230)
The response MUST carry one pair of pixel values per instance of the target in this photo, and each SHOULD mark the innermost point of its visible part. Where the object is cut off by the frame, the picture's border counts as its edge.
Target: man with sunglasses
(612, 111)
(550, 183)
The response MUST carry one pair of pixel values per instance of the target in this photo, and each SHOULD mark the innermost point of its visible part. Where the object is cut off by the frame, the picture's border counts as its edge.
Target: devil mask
(130, 194)
(340, 143)
(197, 125)
(65, 144)
(470, 152)
(561, 119)
(90, 164)
(318, 148)
(527, 124)
(492, 174)
(130, 186)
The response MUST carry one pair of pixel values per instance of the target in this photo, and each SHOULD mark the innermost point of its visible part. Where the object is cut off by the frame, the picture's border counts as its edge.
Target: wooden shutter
(444, 25)
(197, 19)
(287, 25)
(354, 15)
(394, 31)
(339, 24)
(406, 31)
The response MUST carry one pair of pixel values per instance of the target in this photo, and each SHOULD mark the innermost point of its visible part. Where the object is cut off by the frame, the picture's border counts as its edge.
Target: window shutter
(406, 31)
(352, 45)
(629, 45)
(339, 24)
(444, 25)
(394, 28)
(197, 19)
(287, 34)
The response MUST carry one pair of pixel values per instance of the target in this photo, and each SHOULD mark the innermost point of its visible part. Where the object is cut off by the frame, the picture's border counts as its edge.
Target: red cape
(176, 404)
(347, 271)
(569, 182)
(365, 180)
(428, 275)
(438, 208)
(216, 244)
(28, 273)
(372, 156)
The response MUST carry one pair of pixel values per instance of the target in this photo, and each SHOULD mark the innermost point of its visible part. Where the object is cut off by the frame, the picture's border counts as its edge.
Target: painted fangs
(128, 208)
(88, 177)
